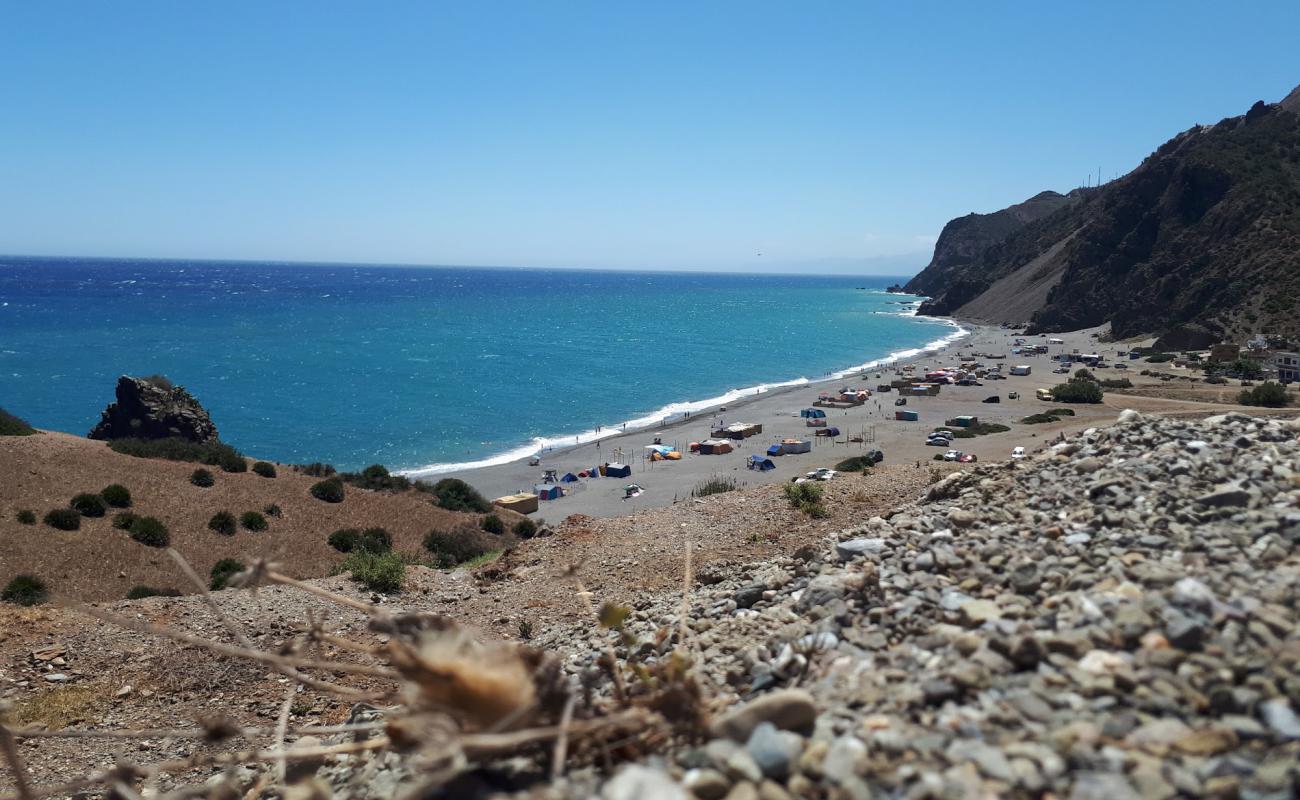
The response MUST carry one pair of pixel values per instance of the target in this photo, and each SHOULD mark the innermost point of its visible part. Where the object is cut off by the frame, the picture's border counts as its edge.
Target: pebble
(787, 709)
(637, 782)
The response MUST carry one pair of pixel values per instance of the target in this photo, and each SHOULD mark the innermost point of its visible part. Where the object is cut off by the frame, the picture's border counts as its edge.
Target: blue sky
(826, 136)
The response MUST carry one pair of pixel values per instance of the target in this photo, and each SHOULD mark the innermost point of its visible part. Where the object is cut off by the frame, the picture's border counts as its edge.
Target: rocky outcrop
(151, 408)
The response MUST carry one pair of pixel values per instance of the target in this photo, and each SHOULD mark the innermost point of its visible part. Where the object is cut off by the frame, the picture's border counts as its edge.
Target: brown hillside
(99, 562)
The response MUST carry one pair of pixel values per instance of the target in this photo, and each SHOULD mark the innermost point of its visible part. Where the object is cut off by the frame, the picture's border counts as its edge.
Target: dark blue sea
(413, 367)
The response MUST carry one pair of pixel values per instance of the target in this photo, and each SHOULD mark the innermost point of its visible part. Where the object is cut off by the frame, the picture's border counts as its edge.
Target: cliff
(151, 408)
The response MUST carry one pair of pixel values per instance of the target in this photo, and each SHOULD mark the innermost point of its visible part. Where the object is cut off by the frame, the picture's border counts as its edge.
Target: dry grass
(60, 707)
(99, 562)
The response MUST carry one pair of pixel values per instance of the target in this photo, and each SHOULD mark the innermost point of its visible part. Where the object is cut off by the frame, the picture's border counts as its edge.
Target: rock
(1225, 494)
(773, 750)
(1102, 786)
(787, 709)
(856, 547)
(990, 760)
(743, 791)
(1280, 718)
(746, 597)
(57, 677)
(844, 759)
(978, 612)
(154, 409)
(1184, 632)
(960, 518)
(706, 784)
(637, 782)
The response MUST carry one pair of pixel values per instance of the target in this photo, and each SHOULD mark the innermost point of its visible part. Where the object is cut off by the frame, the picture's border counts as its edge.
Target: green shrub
(123, 520)
(222, 572)
(264, 468)
(451, 548)
(798, 493)
(493, 524)
(1215, 379)
(1077, 391)
(213, 454)
(1116, 383)
(25, 590)
(525, 528)
(252, 521)
(1084, 375)
(454, 494)
(978, 429)
(64, 519)
(378, 572)
(116, 495)
(202, 478)
(26, 516)
(344, 540)
(714, 485)
(376, 478)
(222, 522)
(937, 457)
(273, 511)
(331, 490)
(141, 592)
(815, 510)
(1269, 393)
(89, 505)
(150, 531)
(1160, 358)
(855, 464)
(375, 540)
(14, 426)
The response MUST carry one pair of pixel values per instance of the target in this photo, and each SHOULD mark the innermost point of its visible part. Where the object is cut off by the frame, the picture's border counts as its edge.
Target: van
(1043, 394)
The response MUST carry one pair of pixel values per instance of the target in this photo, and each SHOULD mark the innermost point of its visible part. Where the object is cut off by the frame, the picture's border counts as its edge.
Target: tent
(714, 447)
(523, 503)
(761, 464)
(829, 432)
(617, 471)
(789, 446)
(569, 477)
(816, 422)
(812, 413)
(661, 449)
(774, 450)
(548, 491)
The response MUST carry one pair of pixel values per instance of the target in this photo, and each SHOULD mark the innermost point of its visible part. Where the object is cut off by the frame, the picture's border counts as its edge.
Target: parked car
(1017, 452)
(876, 456)
(822, 474)
(967, 458)
(902, 401)
(1062, 370)
(938, 441)
(953, 455)
(992, 399)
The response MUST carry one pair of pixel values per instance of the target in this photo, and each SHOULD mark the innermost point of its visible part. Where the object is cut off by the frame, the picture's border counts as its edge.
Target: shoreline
(670, 414)
(869, 426)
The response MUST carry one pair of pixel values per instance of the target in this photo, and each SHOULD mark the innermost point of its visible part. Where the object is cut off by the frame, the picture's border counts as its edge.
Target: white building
(1287, 366)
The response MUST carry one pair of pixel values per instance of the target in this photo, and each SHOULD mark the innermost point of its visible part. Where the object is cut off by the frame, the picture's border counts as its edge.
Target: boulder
(151, 408)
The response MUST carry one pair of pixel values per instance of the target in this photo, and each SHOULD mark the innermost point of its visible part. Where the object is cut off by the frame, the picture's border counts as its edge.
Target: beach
(777, 411)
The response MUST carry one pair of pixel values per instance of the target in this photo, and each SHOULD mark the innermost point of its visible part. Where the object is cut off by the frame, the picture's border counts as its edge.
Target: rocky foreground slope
(1116, 618)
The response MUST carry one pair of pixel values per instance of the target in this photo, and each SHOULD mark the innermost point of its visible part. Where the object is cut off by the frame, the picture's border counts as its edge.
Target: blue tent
(761, 463)
(569, 477)
(548, 491)
(829, 432)
(617, 471)
(774, 450)
(812, 413)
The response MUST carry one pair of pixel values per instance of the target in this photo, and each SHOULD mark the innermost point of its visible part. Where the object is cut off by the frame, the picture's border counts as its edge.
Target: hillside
(1199, 242)
(99, 562)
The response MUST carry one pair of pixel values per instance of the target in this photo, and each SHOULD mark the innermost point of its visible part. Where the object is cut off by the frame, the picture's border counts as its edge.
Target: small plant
(344, 540)
(26, 517)
(123, 520)
(493, 524)
(856, 464)
(454, 494)
(1270, 394)
(64, 519)
(375, 540)
(252, 521)
(89, 505)
(202, 478)
(150, 531)
(452, 548)
(222, 522)
(14, 426)
(222, 572)
(330, 491)
(525, 528)
(141, 592)
(807, 497)
(376, 478)
(316, 470)
(264, 468)
(378, 572)
(525, 629)
(116, 495)
(25, 590)
(273, 511)
(937, 457)
(714, 485)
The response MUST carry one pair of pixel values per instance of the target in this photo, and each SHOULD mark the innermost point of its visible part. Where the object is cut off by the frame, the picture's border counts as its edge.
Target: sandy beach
(665, 482)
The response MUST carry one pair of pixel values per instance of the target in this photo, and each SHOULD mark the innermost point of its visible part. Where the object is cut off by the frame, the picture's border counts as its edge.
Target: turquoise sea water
(413, 367)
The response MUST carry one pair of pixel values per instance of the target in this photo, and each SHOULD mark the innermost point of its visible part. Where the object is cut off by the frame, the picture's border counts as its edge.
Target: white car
(1017, 452)
(822, 474)
(952, 455)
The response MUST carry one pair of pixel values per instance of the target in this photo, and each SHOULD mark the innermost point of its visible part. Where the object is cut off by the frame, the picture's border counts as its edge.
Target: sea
(430, 369)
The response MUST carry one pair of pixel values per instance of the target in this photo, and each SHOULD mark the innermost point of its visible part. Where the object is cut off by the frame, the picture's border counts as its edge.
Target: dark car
(902, 401)
(875, 456)
(992, 399)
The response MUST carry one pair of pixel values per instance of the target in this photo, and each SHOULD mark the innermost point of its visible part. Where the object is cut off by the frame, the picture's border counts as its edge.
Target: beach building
(1287, 365)
(795, 446)
(1021, 369)
(522, 503)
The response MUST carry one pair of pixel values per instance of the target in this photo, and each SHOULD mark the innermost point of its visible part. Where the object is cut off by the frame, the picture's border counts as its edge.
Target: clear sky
(824, 135)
